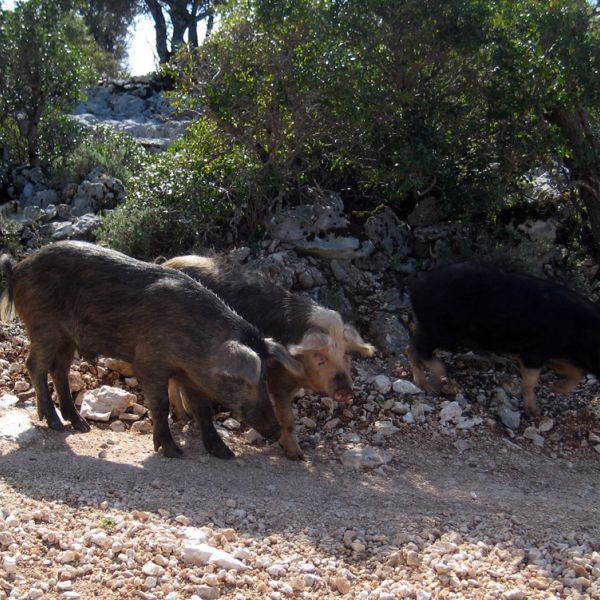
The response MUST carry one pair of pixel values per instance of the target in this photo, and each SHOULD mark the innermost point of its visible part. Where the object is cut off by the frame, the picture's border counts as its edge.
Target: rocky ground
(402, 495)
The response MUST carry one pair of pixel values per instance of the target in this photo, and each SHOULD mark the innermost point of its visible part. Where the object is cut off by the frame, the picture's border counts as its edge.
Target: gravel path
(428, 511)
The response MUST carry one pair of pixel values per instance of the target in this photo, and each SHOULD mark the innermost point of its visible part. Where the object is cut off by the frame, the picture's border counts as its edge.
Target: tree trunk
(180, 19)
(584, 165)
(160, 27)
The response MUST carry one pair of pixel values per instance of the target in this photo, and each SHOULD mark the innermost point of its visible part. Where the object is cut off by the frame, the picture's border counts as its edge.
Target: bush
(187, 195)
(74, 150)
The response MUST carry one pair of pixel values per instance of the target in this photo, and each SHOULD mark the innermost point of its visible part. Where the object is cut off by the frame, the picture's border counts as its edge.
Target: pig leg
(178, 410)
(419, 355)
(530, 378)
(282, 405)
(281, 389)
(572, 373)
(60, 377)
(38, 364)
(156, 389)
(203, 413)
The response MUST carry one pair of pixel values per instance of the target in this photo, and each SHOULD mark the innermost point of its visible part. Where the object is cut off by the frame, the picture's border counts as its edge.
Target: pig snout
(343, 395)
(342, 388)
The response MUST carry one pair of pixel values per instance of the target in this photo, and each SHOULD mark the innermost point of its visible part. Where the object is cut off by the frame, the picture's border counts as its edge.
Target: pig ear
(237, 361)
(279, 353)
(356, 343)
(313, 339)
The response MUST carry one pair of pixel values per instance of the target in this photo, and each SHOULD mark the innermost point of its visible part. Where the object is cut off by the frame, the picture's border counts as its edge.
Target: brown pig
(313, 334)
(74, 296)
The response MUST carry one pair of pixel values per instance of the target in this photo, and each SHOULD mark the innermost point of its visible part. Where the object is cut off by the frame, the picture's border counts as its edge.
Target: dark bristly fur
(74, 296)
(540, 322)
(316, 336)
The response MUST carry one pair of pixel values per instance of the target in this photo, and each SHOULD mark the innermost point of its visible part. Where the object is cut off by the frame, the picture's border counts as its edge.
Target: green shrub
(180, 198)
(79, 149)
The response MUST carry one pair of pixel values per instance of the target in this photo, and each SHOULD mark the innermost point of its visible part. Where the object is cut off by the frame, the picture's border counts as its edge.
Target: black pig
(74, 296)
(540, 322)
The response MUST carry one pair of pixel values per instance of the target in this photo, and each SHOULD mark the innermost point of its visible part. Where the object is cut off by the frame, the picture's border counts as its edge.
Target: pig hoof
(222, 452)
(56, 424)
(80, 424)
(533, 411)
(172, 450)
(294, 453)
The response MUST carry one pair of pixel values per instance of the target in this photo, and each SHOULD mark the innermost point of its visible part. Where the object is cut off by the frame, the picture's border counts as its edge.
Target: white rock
(152, 569)
(142, 427)
(15, 425)
(106, 402)
(546, 424)
(464, 423)
(409, 418)
(99, 538)
(531, 433)
(9, 564)
(201, 554)
(231, 424)
(400, 408)
(21, 386)
(277, 570)
(365, 457)
(385, 428)
(403, 386)
(68, 556)
(195, 534)
(451, 412)
(382, 384)
(7, 400)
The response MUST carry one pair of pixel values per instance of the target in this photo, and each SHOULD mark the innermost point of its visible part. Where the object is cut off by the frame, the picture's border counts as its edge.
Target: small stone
(207, 592)
(9, 564)
(142, 427)
(451, 412)
(365, 457)
(152, 569)
(68, 556)
(400, 408)
(312, 424)
(117, 426)
(150, 582)
(8, 400)
(382, 384)
(515, 594)
(409, 418)
(231, 424)
(21, 386)
(402, 386)
(510, 418)
(546, 424)
(342, 585)
(531, 433)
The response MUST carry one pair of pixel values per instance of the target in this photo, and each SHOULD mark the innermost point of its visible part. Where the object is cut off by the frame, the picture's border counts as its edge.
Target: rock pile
(44, 213)
(137, 107)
